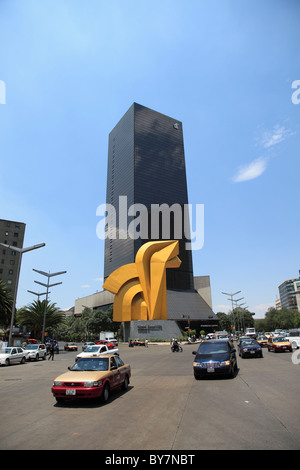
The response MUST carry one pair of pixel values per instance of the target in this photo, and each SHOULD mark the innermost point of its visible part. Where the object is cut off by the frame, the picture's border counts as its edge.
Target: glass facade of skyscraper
(146, 163)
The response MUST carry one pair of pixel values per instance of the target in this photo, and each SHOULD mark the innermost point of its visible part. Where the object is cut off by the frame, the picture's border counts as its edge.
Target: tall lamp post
(37, 293)
(48, 275)
(20, 251)
(232, 299)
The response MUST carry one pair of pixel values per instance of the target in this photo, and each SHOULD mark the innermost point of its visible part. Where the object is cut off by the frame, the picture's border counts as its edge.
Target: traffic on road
(151, 399)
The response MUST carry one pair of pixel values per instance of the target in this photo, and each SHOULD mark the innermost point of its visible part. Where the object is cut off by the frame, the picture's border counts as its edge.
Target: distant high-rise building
(11, 233)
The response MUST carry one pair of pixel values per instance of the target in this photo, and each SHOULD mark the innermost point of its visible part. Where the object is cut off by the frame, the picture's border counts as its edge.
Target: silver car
(12, 355)
(35, 351)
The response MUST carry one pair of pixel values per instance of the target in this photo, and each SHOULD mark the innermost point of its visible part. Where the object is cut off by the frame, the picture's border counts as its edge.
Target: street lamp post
(231, 298)
(48, 275)
(20, 251)
(37, 293)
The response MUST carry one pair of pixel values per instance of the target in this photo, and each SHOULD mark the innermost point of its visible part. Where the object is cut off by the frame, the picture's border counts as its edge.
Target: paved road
(165, 408)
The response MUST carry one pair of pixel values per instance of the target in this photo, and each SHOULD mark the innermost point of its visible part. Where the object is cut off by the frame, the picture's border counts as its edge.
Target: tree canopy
(32, 317)
(6, 303)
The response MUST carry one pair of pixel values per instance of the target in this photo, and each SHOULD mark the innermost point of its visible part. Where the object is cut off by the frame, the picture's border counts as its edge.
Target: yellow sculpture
(140, 288)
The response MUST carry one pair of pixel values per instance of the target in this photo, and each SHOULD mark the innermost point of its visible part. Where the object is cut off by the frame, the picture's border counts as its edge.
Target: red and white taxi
(92, 377)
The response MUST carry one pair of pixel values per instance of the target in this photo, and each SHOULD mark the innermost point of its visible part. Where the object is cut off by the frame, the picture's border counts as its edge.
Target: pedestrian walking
(51, 352)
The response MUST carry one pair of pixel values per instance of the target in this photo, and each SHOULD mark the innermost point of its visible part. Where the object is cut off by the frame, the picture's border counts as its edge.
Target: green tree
(283, 318)
(32, 317)
(6, 303)
(225, 321)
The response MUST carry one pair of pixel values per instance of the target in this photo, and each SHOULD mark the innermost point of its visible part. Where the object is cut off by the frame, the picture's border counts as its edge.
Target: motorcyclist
(175, 345)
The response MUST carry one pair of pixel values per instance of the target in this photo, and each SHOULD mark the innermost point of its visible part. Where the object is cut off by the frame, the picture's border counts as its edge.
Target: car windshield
(6, 351)
(280, 339)
(31, 346)
(92, 364)
(213, 348)
(91, 349)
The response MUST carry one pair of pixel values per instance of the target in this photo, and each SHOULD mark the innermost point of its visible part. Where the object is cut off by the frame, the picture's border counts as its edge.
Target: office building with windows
(289, 292)
(12, 234)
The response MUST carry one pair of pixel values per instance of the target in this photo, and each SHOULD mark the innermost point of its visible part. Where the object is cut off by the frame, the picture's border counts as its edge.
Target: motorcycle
(176, 347)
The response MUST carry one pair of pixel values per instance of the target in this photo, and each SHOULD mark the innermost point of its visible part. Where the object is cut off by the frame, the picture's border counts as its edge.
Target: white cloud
(85, 286)
(261, 309)
(277, 135)
(222, 308)
(251, 171)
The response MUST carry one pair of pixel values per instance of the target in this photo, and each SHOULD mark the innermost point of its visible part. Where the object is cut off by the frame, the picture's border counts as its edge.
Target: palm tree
(6, 303)
(32, 317)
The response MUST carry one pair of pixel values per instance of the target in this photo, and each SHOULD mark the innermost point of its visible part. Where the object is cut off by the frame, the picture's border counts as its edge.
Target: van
(251, 332)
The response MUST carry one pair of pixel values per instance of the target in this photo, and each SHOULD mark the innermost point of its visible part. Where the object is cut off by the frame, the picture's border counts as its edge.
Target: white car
(12, 355)
(97, 350)
(35, 351)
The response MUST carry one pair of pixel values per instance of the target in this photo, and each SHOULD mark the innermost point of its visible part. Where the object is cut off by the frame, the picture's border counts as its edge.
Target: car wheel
(294, 345)
(44, 357)
(197, 376)
(36, 357)
(7, 362)
(22, 360)
(125, 383)
(105, 393)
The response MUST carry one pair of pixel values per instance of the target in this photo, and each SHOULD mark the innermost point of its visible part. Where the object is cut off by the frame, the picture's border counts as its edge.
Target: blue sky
(224, 68)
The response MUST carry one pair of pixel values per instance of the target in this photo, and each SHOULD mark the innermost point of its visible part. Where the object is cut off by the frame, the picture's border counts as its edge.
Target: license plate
(70, 391)
(210, 369)
(252, 352)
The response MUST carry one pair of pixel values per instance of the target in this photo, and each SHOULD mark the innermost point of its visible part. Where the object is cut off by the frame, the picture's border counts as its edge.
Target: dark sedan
(215, 357)
(249, 348)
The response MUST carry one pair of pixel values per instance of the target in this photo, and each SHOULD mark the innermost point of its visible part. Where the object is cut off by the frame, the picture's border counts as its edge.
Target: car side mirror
(69, 368)
(194, 352)
(233, 350)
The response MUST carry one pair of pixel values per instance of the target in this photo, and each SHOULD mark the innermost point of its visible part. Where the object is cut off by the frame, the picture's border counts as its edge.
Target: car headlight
(57, 383)
(225, 363)
(96, 383)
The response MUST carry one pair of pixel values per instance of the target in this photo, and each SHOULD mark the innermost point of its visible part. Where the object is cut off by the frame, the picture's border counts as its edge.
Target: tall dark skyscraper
(146, 163)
